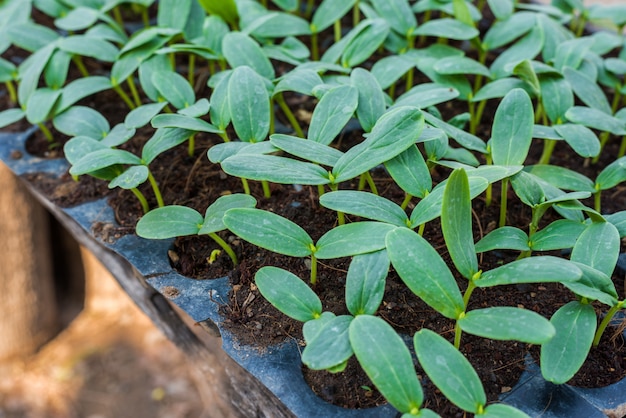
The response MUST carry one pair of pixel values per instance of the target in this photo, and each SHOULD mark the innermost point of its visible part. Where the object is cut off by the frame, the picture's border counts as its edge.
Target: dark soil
(195, 182)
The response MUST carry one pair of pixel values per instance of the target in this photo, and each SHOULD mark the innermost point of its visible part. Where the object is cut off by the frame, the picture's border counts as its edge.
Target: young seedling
(177, 221)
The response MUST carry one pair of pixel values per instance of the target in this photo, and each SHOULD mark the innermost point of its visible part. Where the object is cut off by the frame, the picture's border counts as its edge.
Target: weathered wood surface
(234, 391)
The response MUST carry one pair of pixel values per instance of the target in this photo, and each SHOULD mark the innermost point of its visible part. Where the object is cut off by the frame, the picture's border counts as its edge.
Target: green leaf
(562, 177)
(270, 231)
(10, 116)
(461, 65)
(386, 360)
(371, 99)
(594, 285)
(506, 31)
(561, 357)
(596, 119)
(103, 158)
(500, 410)
(424, 272)
(528, 188)
(398, 15)
(389, 69)
(352, 239)
(410, 172)
(365, 282)
(598, 246)
(77, 19)
(184, 122)
(288, 293)
(447, 28)
(508, 323)
(302, 81)
(174, 88)
(81, 88)
(249, 105)
(328, 12)
(278, 25)
(587, 90)
(456, 223)
(365, 43)
(618, 219)
(499, 88)
(89, 46)
(330, 345)
(501, 9)
(560, 234)
(199, 108)
(580, 138)
(542, 269)
(219, 112)
(119, 135)
(82, 120)
(275, 169)
(169, 222)
(504, 238)
(366, 205)
(141, 115)
(226, 9)
(332, 113)
(214, 215)
(450, 371)
(465, 139)
(57, 68)
(425, 95)
(40, 104)
(393, 133)
(131, 178)
(612, 175)
(557, 97)
(241, 50)
(512, 129)
(173, 13)
(527, 48)
(163, 140)
(306, 149)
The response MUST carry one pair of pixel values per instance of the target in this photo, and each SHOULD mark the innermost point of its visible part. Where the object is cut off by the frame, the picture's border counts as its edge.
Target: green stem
(604, 138)
(503, 201)
(370, 182)
(289, 114)
(225, 247)
(191, 145)
(420, 230)
(597, 200)
(617, 97)
(11, 90)
(309, 8)
(468, 292)
(622, 148)
(46, 132)
(361, 185)
(548, 148)
(407, 199)
(78, 60)
(224, 136)
(133, 90)
(457, 335)
(489, 191)
(605, 322)
(124, 96)
(337, 30)
(392, 91)
(142, 199)
(191, 68)
(272, 117)
(341, 218)
(266, 189)
(144, 16)
(117, 15)
(315, 51)
(320, 190)
(313, 270)
(478, 117)
(155, 188)
(246, 186)
(356, 14)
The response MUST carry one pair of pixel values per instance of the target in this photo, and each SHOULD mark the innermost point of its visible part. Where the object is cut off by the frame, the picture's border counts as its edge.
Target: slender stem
(420, 230)
(224, 136)
(604, 138)
(409, 79)
(124, 96)
(191, 68)
(117, 15)
(361, 185)
(407, 199)
(211, 67)
(313, 270)
(617, 97)
(370, 182)
(225, 247)
(315, 50)
(266, 189)
(622, 148)
(11, 90)
(489, 191)
(457, 335)
(133, 90)
(192, 145)
(605, 322)
(309, 8)
(356, 14)
(468, 292)
(144, 16)
(289, 115)
(548, 148)
(155, 188)
(503, 201)
(78, 60)
(46, 132)
(341, 219)
(392, 91)
(597, 200)
(320, 190)
(246, 186)
(471, 107)
(337, 30)
(272, 117)
(142, 199)
(479, 114)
